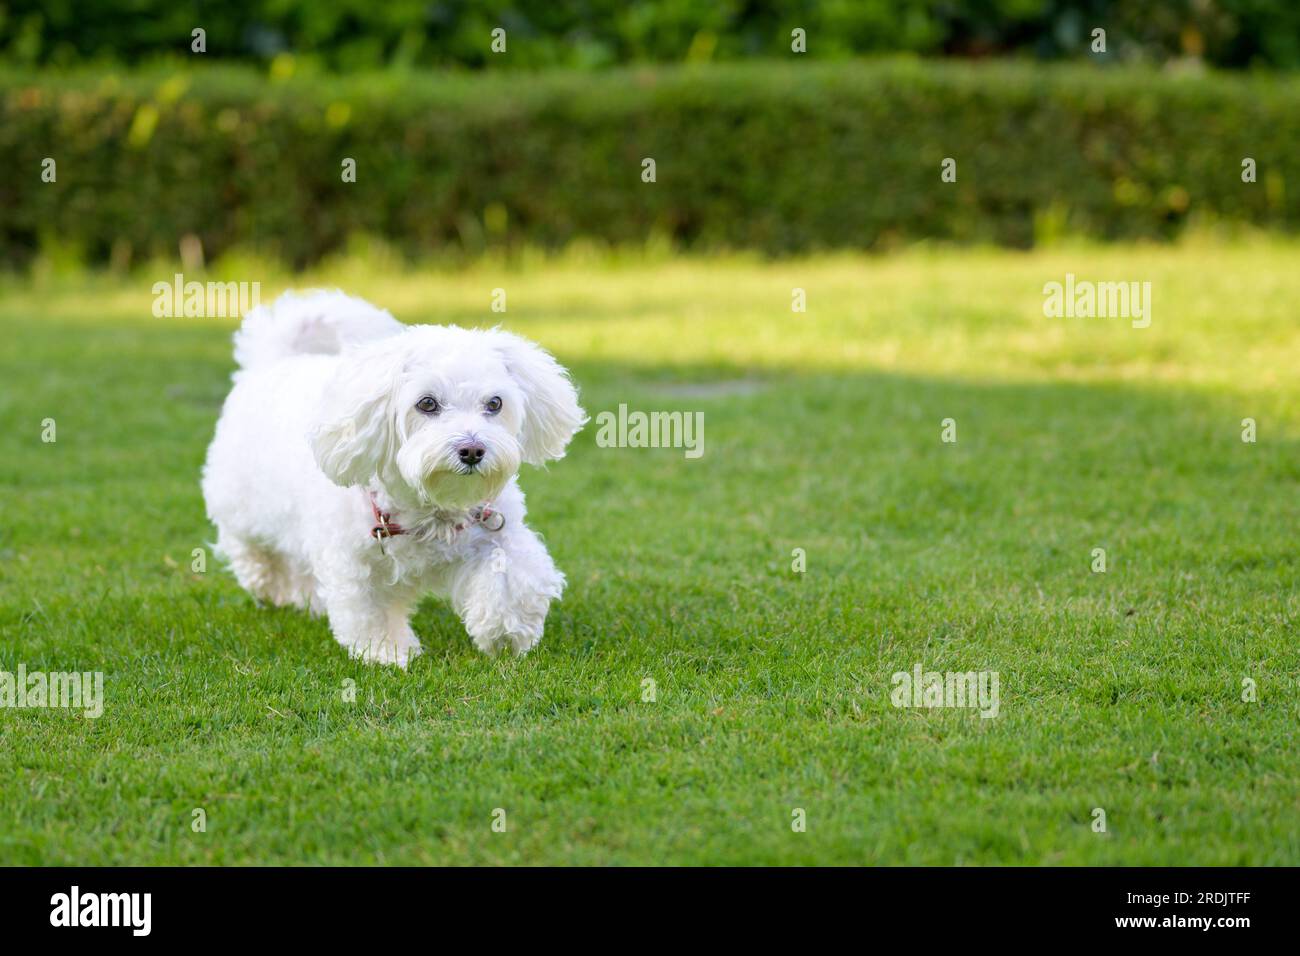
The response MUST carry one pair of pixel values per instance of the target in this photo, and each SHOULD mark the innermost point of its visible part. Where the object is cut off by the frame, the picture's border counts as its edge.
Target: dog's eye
(428, 405)
(492, 405)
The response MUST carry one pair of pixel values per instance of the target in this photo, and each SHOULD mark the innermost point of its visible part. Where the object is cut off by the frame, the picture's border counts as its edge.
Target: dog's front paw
(512, 615)
(505, 597)
(386, 652)
(527, 632)
(493, 634)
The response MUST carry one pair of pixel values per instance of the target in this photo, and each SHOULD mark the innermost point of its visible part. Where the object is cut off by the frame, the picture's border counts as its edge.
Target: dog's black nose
(470, 452)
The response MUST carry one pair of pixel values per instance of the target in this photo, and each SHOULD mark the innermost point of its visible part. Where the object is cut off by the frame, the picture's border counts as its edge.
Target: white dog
(360, 463)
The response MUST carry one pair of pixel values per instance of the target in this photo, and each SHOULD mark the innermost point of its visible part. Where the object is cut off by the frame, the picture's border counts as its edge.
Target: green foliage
(777, 157)
(359, 34)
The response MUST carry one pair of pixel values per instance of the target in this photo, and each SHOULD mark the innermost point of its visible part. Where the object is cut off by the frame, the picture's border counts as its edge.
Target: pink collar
(386, 527)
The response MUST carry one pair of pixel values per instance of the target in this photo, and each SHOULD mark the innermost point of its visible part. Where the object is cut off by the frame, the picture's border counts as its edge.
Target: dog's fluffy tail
(300, 323)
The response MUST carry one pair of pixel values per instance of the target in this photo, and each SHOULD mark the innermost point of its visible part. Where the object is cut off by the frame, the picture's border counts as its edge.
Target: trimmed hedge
(777, 157)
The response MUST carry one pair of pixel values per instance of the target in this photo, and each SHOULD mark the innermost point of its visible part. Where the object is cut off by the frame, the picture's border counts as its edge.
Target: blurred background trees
(587, 34)
(457, 149)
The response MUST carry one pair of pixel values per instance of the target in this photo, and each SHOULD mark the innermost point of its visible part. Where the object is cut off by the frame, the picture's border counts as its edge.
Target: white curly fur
(323, 412)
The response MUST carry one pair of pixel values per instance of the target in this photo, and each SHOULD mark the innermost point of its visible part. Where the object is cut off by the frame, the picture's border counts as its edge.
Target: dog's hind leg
(262, 572)
(303, 589)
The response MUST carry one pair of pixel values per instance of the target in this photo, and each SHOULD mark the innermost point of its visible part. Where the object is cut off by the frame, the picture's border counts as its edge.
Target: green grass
(1120, 690)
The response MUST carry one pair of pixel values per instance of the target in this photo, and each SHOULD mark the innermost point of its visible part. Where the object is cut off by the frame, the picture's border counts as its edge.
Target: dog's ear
(552, 415)
(355, 432)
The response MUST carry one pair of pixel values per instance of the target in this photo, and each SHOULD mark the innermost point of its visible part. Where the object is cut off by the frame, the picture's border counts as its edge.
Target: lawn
(1120, 691)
